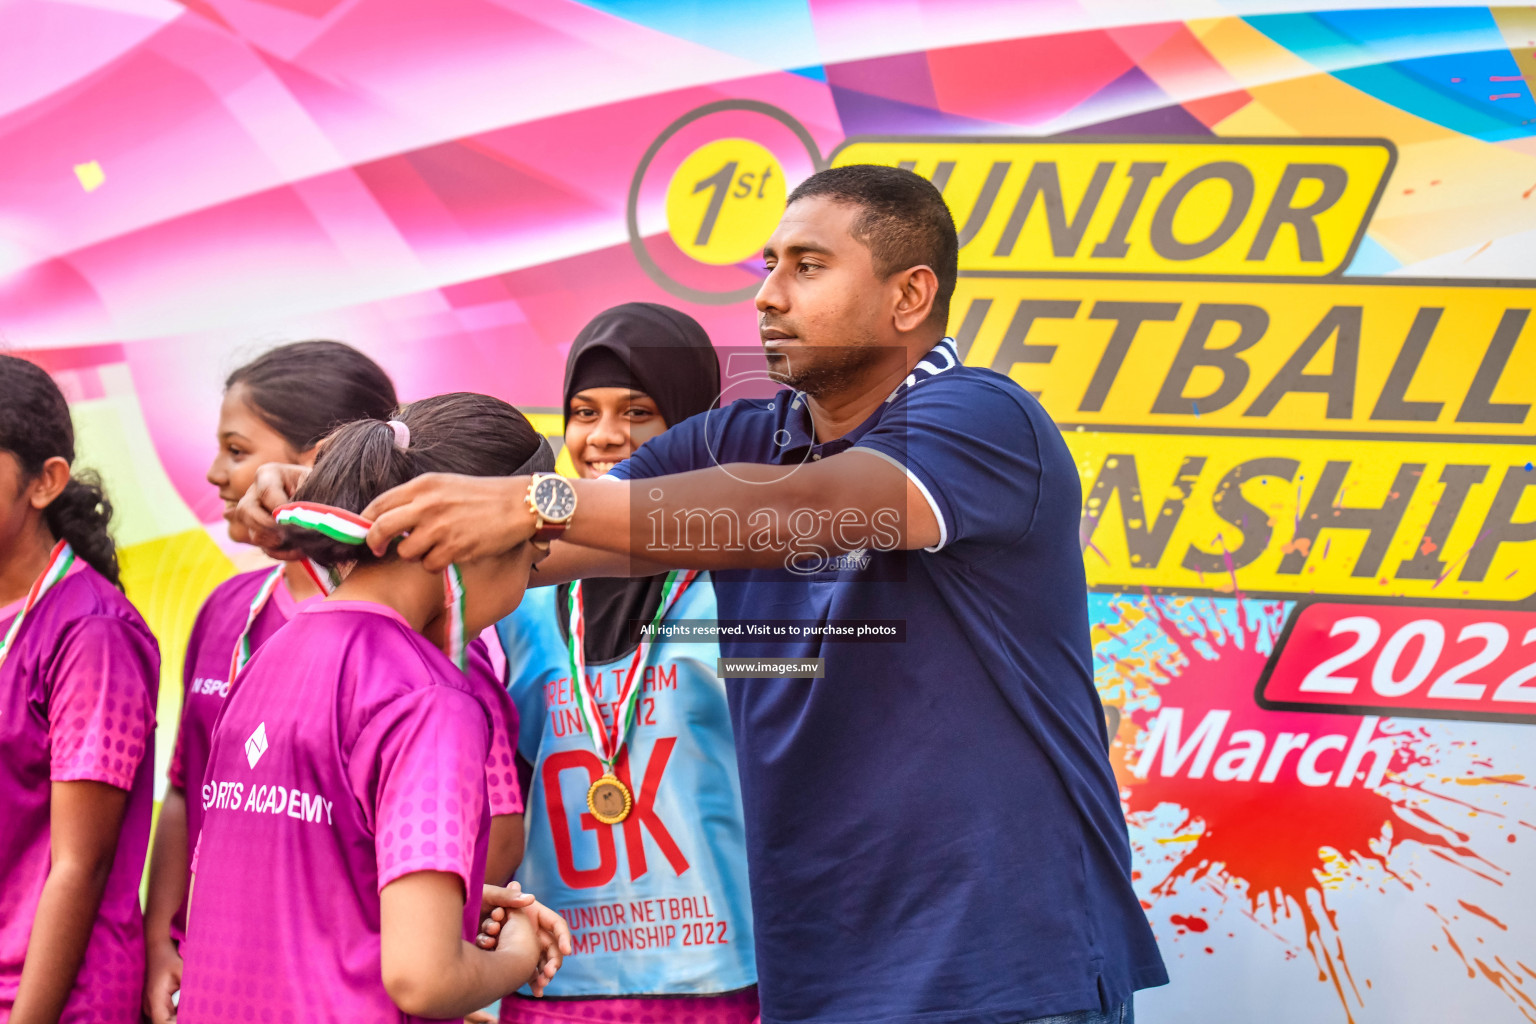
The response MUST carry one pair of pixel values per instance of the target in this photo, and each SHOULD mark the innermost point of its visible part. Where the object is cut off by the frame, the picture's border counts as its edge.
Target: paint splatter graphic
(1270, 812)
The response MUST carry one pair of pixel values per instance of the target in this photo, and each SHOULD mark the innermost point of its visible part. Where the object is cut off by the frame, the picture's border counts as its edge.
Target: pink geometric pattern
(428, 803)
(445, 184)
(101, 714)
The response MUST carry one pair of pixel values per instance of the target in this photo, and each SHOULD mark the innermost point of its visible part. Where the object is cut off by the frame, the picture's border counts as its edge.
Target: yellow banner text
(1449, 521)
(1335, 359)
(1240, 207)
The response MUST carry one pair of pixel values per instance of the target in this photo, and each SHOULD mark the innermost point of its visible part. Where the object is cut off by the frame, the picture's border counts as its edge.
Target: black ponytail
(463, 433)
(35, 427)
(80, 515)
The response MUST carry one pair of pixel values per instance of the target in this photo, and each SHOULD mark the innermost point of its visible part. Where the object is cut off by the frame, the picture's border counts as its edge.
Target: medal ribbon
(59, 562)
(453, 629)
(242, 652)
(608, 743)
(326, 578)
(349, 528)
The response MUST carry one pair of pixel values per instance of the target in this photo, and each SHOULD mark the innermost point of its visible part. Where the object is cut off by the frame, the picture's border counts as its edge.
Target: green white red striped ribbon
(608, 742)
(453, 628)
(350, 528)
(242, 652)
(336, 523)
(59, 562)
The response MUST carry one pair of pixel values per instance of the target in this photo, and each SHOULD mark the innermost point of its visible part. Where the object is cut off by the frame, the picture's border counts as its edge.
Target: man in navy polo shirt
(934, 832)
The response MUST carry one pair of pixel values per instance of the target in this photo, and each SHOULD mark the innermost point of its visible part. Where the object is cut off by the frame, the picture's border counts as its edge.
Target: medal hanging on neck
(59, 562)
(349, 528)
(242, 652)
(325, 579)
(608, 799)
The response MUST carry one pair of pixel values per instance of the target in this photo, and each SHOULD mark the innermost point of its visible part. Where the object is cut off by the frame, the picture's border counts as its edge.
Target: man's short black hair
(904, 222)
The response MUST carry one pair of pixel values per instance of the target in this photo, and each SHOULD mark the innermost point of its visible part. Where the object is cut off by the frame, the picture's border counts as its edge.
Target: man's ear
(918, 289)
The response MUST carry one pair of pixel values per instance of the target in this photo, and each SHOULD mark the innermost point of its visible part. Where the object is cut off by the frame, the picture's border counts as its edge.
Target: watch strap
(549, 531)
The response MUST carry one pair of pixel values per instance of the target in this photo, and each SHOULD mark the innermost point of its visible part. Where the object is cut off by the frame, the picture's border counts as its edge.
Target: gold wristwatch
(552, 500)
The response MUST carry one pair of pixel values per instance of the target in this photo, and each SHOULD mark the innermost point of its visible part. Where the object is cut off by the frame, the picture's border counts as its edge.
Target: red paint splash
(1273, 839)
(1192, 923)
(1480, 912)
(1510, 983)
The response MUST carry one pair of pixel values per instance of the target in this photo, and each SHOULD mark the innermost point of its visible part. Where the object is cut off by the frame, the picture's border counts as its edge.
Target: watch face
(555, 498)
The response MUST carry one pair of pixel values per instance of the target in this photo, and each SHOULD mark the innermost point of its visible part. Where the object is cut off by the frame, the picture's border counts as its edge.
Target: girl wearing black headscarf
(639, 843)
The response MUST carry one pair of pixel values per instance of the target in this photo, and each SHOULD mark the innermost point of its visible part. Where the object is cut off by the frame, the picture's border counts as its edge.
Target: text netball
(647, 924)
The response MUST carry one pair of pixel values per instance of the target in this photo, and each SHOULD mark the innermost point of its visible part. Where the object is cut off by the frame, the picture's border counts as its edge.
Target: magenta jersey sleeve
(100, 716)
(425, 790)
(503, 793)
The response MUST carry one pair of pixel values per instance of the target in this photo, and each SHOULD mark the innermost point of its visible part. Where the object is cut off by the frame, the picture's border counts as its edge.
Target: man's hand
(275, 486)
(162, 979)
(451, 518)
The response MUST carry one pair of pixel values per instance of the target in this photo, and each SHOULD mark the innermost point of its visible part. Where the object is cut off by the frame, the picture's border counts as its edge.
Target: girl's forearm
(167, 868)
(506, 848)
(167, 892)
(473, 979)
(61, 931)
(429, 970)
(492, 974)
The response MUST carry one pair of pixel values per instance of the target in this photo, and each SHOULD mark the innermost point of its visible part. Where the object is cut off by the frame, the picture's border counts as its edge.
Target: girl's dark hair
(35, 427)
(306, 389)
(465, 433)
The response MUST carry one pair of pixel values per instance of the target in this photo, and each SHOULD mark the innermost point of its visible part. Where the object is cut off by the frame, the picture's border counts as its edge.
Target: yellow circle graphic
(724, 201)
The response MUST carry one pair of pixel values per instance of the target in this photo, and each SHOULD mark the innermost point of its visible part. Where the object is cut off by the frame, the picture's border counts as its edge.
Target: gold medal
(609, 800)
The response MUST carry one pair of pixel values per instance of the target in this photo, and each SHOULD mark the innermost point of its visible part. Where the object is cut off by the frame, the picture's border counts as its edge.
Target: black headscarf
(667, 355)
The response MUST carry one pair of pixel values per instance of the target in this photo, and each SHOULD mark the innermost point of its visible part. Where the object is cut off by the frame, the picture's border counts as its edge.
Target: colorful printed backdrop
(1266, 263)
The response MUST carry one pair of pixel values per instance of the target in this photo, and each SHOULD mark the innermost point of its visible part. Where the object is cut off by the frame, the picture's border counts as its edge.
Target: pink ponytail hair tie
(402, 434)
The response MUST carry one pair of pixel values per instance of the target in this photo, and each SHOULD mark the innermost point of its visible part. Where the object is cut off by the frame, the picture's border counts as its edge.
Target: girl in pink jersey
(275, 409)
(338, 873)
(79, 673)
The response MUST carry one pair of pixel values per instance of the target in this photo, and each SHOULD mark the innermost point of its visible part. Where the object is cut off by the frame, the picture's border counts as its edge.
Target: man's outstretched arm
(276, 483)
(738, 516)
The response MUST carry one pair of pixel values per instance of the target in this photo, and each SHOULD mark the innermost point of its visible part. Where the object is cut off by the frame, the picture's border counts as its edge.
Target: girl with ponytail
(276, 408)
(79, 675)
(339, 870)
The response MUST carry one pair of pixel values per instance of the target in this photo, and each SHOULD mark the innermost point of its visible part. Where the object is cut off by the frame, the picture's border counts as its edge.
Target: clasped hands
(507, 907)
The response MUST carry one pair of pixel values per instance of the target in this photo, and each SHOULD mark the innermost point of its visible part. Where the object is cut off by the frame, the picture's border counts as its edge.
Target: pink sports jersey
(77, 702)
(730, 1008)
(206, 680)
(504, 794)
(349, 753)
